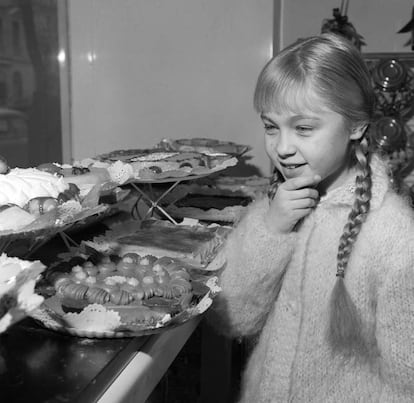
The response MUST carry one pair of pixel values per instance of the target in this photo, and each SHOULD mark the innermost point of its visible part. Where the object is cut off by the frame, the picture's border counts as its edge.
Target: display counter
(38, 365)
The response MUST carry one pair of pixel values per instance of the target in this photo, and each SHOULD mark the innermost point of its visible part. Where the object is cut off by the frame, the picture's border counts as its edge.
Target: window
(30, 77)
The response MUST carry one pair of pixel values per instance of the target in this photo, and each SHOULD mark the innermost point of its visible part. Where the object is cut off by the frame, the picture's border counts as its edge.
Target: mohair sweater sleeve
(255, 264)
(395, 321)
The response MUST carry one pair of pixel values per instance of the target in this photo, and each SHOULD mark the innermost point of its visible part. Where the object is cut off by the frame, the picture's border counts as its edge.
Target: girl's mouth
(292, 166)
(292, 170)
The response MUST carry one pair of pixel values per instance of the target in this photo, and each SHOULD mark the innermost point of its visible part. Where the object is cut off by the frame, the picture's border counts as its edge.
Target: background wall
(376, 20)
(143, 70)
(150, 69)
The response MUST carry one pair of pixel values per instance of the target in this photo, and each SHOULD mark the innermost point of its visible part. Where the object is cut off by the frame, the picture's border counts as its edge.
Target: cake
(33, 199)
(218, 208)
(197, 245)
(20, 185)
(158, 164)
(133, 280)
(28, 193)
(84, 176)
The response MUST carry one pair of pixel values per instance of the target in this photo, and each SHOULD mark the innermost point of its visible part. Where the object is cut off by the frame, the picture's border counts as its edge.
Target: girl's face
(310, 143)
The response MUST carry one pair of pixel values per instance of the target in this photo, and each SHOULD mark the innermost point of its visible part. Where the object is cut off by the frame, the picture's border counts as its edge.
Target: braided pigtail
(275, 181)
(345, 329)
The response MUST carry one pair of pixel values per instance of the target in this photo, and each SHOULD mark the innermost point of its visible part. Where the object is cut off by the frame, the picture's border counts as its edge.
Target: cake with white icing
(23, 184)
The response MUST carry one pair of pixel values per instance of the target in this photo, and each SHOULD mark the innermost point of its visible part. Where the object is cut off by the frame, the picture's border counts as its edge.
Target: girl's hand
(294, 200)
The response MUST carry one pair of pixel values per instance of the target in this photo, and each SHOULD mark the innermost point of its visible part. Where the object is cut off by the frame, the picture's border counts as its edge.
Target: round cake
(133, 280)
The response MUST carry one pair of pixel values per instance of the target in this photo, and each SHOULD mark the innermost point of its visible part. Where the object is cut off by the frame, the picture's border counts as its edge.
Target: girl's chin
(302, 170)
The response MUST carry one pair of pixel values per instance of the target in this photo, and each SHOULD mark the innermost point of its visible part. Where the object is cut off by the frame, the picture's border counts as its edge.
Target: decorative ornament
(341, 26)
(390, 135)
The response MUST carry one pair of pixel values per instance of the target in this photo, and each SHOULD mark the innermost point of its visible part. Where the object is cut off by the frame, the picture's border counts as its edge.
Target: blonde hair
(345, 333)
(329, 68)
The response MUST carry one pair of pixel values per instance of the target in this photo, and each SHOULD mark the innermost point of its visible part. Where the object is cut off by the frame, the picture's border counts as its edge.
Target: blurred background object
(30, 114)
(340, 24)
(391, 134)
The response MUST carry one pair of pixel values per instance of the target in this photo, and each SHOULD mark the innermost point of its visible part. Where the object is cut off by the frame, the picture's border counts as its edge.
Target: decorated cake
(159, 164)
(20, 185)
(28, 193)
(36, 202)
(91, 294)
(83, 175)
(181, 296)
(196, 245)
(132, 278)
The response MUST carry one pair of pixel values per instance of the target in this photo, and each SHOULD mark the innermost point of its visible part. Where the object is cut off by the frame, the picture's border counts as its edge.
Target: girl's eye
(304, 129)
(271, 129)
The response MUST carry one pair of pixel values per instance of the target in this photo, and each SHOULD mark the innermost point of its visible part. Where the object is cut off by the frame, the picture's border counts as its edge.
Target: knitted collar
(344, 194)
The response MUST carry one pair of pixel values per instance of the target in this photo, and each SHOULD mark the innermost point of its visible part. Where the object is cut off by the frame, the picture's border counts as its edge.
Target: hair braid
(275, 181)
(345, 332)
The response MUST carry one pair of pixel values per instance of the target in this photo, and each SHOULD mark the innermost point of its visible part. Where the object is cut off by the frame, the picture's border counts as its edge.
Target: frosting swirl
(22, 184)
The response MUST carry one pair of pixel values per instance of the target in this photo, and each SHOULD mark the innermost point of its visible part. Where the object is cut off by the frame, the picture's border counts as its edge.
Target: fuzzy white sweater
(292, 361)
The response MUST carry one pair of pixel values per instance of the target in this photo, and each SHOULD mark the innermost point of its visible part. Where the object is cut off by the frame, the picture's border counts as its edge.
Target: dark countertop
(39, 365)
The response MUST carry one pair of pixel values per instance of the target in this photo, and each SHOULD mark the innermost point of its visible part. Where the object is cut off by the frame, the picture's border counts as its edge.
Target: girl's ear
(357, 132)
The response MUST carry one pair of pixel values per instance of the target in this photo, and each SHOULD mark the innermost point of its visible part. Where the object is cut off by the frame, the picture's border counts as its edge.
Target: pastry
(197, 245)
(130, 155)
(131, 280)
(157, 163)
(218, 208)
(41, 205)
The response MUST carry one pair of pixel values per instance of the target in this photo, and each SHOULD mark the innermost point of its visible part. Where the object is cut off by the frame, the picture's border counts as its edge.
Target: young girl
(322, 270)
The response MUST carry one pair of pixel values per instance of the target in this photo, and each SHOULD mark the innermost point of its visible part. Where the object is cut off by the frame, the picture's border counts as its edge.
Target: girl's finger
(301, 182)
(303, 204)
(305, 193)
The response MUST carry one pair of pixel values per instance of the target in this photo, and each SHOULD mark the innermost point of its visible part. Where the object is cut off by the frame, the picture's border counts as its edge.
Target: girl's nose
(285, 146)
